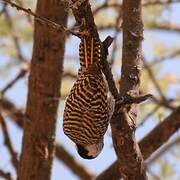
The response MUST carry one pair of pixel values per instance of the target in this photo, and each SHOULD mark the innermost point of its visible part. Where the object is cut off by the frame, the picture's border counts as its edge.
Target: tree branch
(150, 143)
(43, 20)
(5, 175)
(83, 13)
(8, 108)
(167, 128)
(164, 149)
(166, 26)
(15, 38)
(20, 75)
(44, 82)
(8, 143)
(123, 123)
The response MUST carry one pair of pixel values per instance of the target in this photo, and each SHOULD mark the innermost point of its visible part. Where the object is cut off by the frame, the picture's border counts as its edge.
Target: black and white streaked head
(90, 151)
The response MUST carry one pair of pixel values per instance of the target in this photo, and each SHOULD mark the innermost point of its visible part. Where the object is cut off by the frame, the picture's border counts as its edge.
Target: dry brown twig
(152, 77)
(144, 4)
(20, 75)
(155, 109)
(115, 45)
(159, 2)
(163, 100)
(44, 20)
(148, 144)
(84, 13)
(170, 56)
(29, 18)
(175, 141)
(14, 36)
(8, 143)
(5, 175)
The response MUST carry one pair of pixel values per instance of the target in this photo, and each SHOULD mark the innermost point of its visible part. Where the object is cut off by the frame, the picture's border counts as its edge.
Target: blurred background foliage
(160, 76)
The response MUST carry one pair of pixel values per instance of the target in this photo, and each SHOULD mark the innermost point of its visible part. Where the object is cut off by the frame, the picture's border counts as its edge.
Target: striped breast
(86, 114)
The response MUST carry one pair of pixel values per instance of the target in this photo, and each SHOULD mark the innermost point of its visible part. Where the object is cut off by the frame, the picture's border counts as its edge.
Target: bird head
(90, 151)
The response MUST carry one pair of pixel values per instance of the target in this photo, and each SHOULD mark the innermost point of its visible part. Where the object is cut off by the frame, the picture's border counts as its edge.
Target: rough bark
(17, 116)
(150, 143)
(44, 84)
(123, 122)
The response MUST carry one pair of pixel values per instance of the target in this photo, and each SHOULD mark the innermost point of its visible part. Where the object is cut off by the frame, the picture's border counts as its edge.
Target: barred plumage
(87, 110)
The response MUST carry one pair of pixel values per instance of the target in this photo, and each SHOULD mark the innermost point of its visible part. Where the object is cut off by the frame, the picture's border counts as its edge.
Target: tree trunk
(150, 143)
(44, 84)
(123, 123)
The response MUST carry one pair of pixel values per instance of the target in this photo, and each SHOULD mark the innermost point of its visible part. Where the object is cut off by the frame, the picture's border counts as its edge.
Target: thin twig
(148, 115)
(127, 100)
(20, 75)
(167, 103)
(106, 5)
(107, 70)
(166, 26)
(44, 20)
(21, 3)
(151, 75)
(159, 2)
(69, 74)
(163, 149)
(118, 20)
(5, 175)
(8, 143)
(14, 37)
(165, 58)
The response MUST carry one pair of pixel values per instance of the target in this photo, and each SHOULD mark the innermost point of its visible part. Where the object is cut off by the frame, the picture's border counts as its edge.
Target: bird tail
(89, 51)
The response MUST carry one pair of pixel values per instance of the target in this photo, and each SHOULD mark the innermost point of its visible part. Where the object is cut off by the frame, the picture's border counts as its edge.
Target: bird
(89, 105)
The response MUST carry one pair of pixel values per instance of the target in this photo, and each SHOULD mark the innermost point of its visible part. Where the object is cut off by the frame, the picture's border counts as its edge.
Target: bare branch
(155, 109)
(151, 75)
(146, 3)
(159, 2)
(150, 143)
(8, 143)
(20, 75)
(30, 21)
(128, 100)
(6, 176)
(170, 56)
(14, 37)
(163, 149)
(10, 110)
(123, 123)
(69, 74)
(163, 131)
(44, 20)
(166, 26)
(84, 13)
